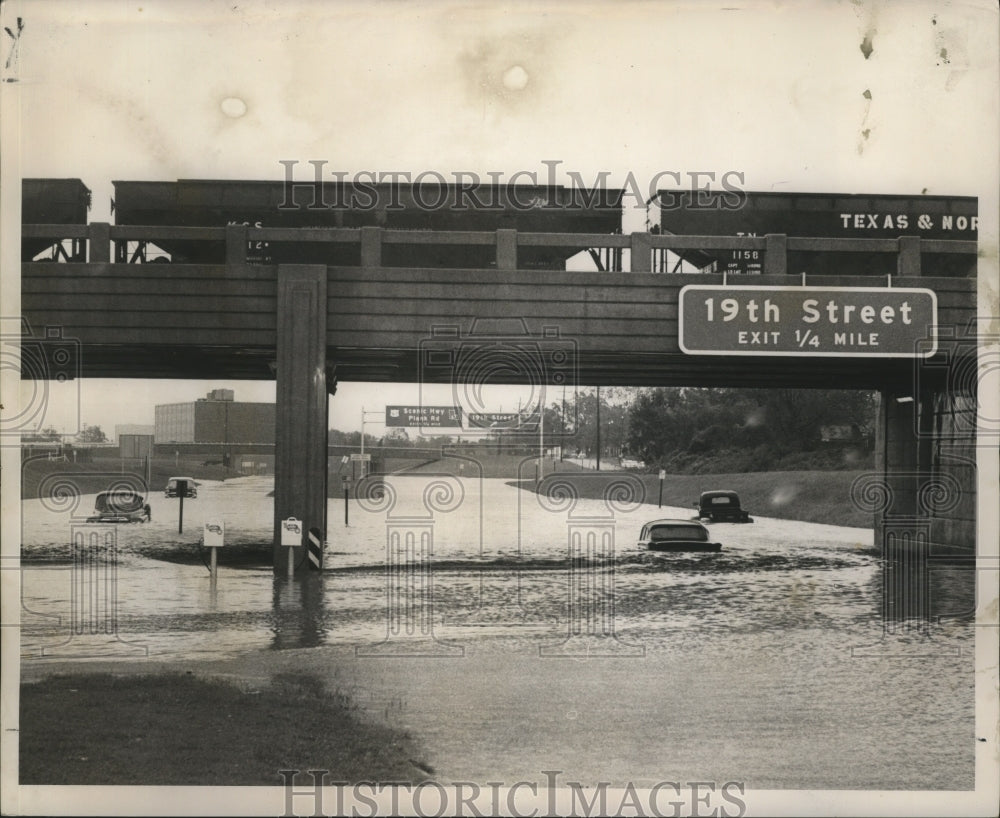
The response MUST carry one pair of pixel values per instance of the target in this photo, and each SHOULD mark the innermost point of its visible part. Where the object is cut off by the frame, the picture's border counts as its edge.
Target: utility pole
(541, 436)
(598, 428)
(364, 470)
(562, 438)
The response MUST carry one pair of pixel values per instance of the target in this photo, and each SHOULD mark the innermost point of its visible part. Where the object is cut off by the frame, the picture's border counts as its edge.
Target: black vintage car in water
(175, 484)
(721, 506)
(122, 505)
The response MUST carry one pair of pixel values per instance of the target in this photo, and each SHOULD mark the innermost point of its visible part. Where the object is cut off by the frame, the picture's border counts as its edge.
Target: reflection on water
(503, 576)
(952, 593)
(298, 615)
(776, 646)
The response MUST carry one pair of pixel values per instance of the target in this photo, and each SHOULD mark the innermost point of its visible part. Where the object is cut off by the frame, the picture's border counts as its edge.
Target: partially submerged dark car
(174, 483)
(722, 507)
(122, 505)
(676, 535)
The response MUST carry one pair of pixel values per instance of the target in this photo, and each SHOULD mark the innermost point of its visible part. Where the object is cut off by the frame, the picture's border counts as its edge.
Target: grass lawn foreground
(181, 729)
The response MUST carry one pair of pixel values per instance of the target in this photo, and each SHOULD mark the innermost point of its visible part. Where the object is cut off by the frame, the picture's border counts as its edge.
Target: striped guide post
(314, 547)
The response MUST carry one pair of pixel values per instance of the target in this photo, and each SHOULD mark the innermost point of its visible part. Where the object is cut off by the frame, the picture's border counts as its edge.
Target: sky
(845, 97)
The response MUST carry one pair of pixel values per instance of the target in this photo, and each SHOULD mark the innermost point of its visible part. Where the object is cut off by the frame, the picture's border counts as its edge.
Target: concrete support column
(506, 249)
(908, 261)
(641, 247)
(775, 254)
(901, 465)
(371, 246)
(99, 239)
(881, 428)
(300, 441)
(236, 244)
(924, 422)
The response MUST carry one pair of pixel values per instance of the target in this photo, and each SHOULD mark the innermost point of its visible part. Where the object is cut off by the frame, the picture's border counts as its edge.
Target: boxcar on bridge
(53, 201)
(813, 215)
(416, 208)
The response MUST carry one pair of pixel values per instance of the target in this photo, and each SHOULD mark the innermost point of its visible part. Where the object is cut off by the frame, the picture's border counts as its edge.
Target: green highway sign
(410, 416)
(860, 322)
(494, 420)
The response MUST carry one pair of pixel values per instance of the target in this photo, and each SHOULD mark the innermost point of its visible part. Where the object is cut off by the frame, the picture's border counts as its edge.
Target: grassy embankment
(95, 476)
(809, 496)
(178, 729)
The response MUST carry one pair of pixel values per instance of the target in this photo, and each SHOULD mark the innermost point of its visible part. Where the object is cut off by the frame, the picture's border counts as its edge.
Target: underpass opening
(285, 299)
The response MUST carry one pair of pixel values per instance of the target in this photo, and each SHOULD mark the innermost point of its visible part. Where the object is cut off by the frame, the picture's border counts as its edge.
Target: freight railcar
(53, 201)
(813, 215)
(216, 203)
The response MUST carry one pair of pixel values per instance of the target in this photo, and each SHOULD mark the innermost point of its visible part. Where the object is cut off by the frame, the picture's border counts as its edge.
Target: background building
(217, 418)
(132, 429)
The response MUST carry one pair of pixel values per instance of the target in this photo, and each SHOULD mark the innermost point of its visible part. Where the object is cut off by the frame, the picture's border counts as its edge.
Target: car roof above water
(122, 499)
(707, 495)
(689, 523)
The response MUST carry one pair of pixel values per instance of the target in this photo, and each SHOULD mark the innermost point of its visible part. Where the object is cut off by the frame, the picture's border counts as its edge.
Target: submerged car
(676, 535)
(122, 505)
(171, 489)
(721, 506)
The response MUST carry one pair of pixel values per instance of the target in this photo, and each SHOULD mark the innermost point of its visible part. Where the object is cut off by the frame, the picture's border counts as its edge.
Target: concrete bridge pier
(300, 443)
(897, 454)
(926, 459)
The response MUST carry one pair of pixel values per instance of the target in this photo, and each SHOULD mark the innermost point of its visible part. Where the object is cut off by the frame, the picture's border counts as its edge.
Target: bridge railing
(127, 243)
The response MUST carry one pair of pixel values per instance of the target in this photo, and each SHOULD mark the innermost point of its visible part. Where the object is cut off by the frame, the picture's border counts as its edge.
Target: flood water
(513, 634)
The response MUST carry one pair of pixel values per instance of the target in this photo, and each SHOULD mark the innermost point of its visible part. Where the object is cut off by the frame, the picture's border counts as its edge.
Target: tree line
(671, 425)
(88, 434)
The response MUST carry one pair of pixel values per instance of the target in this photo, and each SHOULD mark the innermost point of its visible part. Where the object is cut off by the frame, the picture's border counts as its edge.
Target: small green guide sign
(861, 322)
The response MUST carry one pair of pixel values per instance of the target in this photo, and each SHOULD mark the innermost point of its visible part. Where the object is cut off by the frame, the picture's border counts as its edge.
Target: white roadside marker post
(291, 536)
(214, 538)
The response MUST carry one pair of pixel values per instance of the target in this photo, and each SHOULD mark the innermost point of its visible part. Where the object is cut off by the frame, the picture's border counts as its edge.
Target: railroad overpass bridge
(307, 325)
